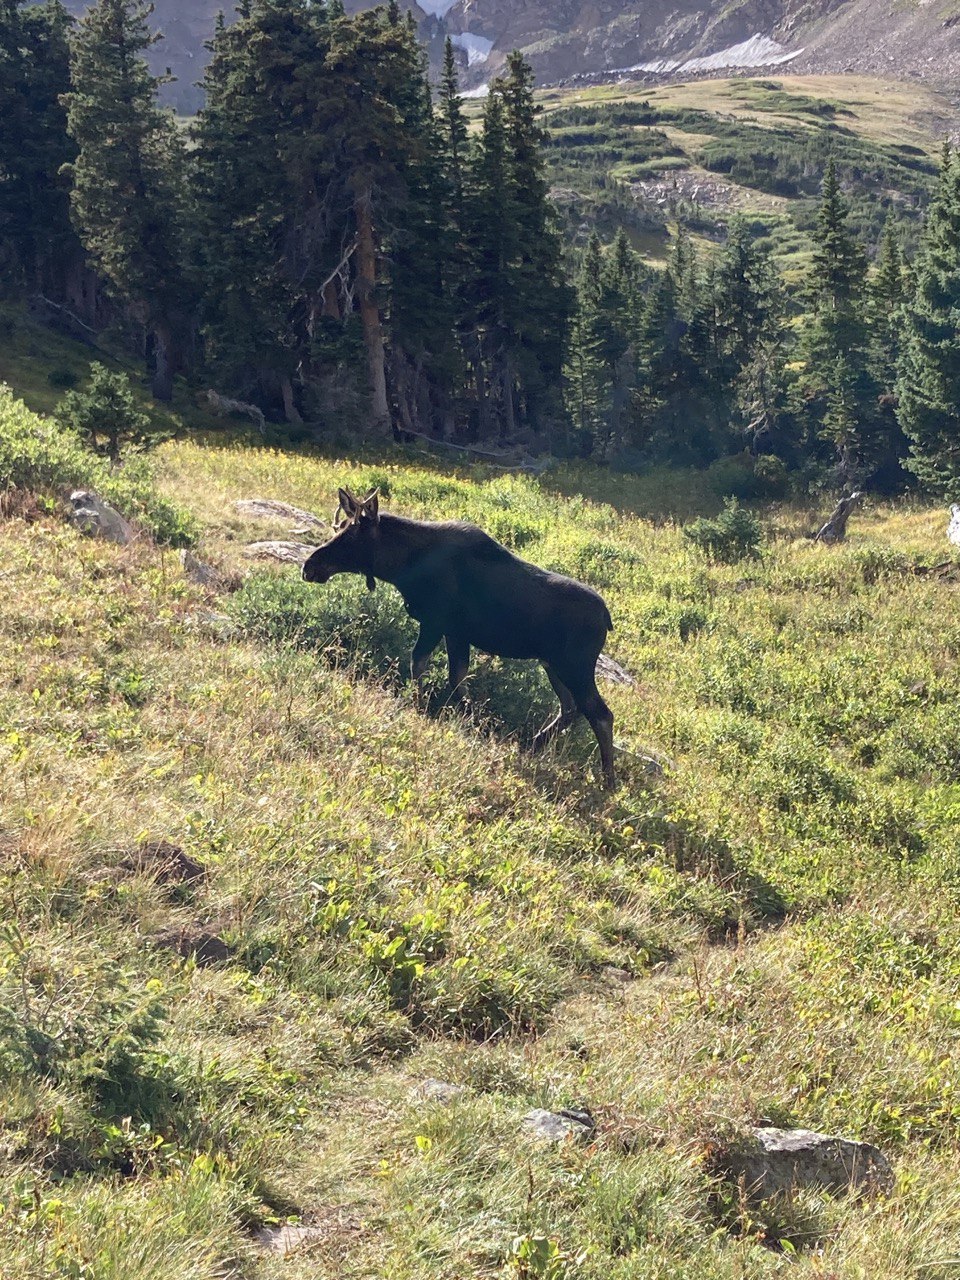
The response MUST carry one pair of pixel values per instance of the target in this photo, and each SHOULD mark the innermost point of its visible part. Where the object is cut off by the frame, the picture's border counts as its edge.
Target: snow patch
(758, 51)
(481, 91)
(477, 48)
(439, 7)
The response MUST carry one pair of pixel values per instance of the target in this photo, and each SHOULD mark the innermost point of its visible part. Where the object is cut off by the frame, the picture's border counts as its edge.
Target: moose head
(352, 548)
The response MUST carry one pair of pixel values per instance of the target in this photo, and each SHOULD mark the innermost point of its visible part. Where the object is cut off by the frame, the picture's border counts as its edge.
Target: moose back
(466, 589)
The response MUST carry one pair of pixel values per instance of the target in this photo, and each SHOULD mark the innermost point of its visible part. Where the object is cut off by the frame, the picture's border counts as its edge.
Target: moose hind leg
(600, 719)
(566, 716)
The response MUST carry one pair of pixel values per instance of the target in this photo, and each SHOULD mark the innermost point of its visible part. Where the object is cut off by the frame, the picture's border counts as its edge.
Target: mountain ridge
(573, 39)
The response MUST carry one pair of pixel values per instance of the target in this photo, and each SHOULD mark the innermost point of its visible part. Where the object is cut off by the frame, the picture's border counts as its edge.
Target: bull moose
(465, 588)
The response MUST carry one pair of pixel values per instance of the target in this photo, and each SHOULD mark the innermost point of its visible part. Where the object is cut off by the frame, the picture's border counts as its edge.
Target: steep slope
(915, 39)
(566, 38)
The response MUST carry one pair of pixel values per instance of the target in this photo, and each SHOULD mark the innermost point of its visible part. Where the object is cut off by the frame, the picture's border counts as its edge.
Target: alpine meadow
(326, 953)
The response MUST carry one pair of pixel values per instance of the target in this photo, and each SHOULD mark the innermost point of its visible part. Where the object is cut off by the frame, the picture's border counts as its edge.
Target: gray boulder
(93, 516)
(772, 1162)
(559, 1126)
(442, 1092)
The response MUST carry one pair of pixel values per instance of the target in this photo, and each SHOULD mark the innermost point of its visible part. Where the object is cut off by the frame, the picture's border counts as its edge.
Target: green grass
(765, 142)
(409, 895)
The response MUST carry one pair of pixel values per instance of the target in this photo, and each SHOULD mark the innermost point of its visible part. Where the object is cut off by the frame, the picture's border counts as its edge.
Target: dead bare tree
(835, 530)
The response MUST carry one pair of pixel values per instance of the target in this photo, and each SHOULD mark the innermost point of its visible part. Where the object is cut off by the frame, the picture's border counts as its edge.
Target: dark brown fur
(465, 588)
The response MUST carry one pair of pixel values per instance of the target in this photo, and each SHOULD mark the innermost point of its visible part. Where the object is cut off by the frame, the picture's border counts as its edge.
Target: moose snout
(314, 572)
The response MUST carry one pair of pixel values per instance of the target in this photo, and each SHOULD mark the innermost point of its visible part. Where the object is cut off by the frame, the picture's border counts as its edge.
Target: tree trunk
(331, 301)
(835, 530)
(479, 383)
(163, 366)
(370, 312)
(509, 410)
(290, 410)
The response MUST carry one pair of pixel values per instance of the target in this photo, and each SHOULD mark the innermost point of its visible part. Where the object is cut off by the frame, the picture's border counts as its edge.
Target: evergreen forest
(347, 247)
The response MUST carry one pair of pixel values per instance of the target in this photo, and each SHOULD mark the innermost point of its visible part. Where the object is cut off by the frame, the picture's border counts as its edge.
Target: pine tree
(837, 338)
(453, 134)
(887, 293)
(520, 299)
(929, 405)
(37, 241)
(242, 204)
(493, 247)
(128, 177)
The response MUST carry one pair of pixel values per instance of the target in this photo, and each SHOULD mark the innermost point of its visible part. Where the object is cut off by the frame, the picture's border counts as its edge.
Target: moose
(467, 589)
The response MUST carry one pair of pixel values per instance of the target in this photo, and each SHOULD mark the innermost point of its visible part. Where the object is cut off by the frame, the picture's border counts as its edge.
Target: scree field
(760, 926)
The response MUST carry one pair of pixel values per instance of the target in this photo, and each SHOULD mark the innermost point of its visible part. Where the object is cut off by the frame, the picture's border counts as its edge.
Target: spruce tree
(128, 178)
(37, 242)
(929, 379)
(837, 339)
(246, 207)
(887, 293)
(493, 248)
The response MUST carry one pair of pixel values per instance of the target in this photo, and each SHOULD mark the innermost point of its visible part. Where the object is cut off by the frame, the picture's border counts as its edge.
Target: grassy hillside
(762, 928)
(702, 151)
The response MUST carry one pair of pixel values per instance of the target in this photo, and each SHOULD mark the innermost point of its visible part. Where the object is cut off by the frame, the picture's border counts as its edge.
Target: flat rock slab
(438, 1091)
(285, 552)
(781, 1161)
(268, 509)
(559, 1126)
(325, 1227)
(288, 1239)
(96, 518)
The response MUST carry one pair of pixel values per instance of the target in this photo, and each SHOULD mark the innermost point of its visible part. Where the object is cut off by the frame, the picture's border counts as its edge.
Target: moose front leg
(423, 650)
(458, 665)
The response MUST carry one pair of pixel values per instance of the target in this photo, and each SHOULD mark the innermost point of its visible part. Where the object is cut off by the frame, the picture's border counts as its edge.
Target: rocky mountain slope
(913, 39)
(566, 38)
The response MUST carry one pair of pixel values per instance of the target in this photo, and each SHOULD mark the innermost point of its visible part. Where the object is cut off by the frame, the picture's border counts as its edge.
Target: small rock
(559, 1126)
(166, 863)
(782, 1161)
(93, 516)
(607, 669)
(439, 1091)
(953, 528)
(613, 974)
(218, 625)
(204, 947)
(205, 575)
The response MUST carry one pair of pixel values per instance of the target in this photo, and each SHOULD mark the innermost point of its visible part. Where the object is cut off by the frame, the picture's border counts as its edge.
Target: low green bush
(735, 534)
(42, 456)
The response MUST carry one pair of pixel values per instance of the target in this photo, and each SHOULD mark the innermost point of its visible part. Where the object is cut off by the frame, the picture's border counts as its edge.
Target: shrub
(42, 456)
(107, 415)
(734, 535)
(62, 379)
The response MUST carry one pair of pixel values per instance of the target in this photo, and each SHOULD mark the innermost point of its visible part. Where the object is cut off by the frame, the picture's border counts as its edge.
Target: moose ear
(370, 506)
(349, 505)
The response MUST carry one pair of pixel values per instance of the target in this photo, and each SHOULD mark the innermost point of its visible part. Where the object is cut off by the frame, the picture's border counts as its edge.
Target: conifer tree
(37, 241)
(128, 178)
(493, 246)
(244, 201)
(836, 340)
(929, 404)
